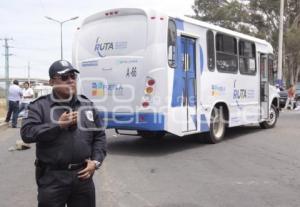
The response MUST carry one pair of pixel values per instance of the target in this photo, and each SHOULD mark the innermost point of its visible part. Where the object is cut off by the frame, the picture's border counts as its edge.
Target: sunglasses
(65, 77)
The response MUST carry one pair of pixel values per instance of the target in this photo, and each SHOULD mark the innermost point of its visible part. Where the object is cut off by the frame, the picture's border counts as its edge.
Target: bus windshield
(117, 36)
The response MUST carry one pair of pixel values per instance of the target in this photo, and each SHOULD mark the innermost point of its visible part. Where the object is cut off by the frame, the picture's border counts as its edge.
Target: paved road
(252, 167)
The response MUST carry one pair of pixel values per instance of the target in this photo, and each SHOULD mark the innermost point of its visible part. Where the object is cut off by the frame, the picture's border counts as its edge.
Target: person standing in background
(290, 98)
(27, 97)
(14, 96)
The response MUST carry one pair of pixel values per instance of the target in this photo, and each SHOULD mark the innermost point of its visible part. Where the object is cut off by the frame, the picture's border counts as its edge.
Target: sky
(36, 40)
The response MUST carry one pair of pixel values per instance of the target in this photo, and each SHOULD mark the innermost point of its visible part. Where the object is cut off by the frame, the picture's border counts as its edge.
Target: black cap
(61, 67)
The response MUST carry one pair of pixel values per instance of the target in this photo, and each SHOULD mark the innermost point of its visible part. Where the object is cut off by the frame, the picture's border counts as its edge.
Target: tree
(292, 42)
(229, 14)
(259, 18)
(265, 17)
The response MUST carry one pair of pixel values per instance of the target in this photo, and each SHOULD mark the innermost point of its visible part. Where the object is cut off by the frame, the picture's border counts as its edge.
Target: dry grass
(2, 108)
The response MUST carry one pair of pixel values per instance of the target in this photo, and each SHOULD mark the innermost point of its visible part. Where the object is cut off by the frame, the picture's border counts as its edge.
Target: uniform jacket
(55, 145)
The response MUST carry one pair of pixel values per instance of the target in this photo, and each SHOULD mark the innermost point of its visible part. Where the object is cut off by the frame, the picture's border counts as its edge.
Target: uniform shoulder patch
(89, 115)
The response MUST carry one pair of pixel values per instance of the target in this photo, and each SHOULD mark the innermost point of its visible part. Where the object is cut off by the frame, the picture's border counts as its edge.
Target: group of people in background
(18, 100)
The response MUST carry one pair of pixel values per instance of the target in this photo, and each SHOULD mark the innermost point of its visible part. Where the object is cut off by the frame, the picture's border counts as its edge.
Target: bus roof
(113, 12)
(150, 12)
(221, 29)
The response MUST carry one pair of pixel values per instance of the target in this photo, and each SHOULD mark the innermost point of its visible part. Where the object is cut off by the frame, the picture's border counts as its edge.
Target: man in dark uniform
(70, 141)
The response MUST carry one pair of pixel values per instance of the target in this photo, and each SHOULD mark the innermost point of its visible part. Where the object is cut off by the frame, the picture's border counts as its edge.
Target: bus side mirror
(171, 56)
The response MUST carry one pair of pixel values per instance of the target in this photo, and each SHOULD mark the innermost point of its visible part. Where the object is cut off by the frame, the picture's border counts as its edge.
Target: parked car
(283, 96)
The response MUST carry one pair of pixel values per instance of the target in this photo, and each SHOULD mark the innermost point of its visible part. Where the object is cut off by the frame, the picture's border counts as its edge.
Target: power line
(33, 49)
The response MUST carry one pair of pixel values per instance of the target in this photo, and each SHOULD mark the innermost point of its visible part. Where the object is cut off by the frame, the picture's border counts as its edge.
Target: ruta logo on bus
(240, 94)
(103, 47)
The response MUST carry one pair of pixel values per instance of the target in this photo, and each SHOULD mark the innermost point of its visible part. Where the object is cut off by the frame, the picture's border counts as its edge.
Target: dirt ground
(2, 108)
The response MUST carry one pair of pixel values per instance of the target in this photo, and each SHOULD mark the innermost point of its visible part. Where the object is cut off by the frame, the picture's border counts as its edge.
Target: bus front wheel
(151, 135)
(270, 123)
(217, 126)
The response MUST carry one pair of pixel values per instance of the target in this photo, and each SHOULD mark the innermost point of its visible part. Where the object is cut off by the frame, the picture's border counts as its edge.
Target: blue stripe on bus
(134, 121)
(179, 24)
(201, 60)
(194, 118)
(203, 124)
(191, 74)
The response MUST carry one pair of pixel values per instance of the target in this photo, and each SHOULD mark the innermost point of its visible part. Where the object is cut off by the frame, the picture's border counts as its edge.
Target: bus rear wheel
(151, 134)
(217, 126)
(271, 122)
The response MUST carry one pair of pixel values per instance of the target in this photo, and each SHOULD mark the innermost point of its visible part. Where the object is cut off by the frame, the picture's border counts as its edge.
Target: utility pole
(280, 44)
(28, 72)
(6, 55)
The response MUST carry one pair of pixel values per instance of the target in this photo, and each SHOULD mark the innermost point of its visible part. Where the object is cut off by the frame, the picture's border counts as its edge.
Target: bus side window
(247, 57)
(227, 58)
(172, 35)
(210, 50)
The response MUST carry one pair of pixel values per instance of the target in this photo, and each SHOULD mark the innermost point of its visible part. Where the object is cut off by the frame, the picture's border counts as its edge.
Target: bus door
(264, 87)
(189, 90)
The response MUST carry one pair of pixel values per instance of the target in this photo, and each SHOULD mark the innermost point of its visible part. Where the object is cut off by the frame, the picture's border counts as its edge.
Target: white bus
(153, 73)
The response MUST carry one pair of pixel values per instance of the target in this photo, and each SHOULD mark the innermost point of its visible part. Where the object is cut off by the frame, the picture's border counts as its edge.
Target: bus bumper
(134, 121)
